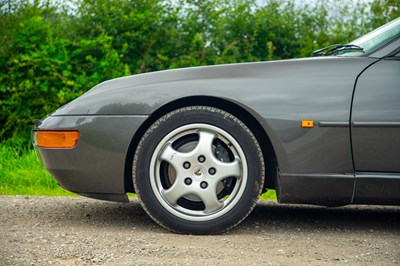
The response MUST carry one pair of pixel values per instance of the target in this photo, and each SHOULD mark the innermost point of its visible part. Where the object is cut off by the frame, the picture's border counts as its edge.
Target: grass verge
(21, 173)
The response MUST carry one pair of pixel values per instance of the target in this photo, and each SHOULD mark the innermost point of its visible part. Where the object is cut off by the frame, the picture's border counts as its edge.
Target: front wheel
(198, 170)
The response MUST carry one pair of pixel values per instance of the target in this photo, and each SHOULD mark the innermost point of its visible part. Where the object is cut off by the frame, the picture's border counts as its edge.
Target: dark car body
(350, 156)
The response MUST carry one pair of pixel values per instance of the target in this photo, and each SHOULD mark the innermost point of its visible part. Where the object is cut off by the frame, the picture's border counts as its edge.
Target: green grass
(269, 195)
(22, 173)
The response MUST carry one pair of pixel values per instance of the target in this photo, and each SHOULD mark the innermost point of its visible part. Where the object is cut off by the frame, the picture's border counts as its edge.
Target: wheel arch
(245, 114)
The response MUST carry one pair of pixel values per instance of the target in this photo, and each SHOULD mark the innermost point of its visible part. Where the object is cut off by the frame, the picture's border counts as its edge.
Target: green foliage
(383, 11)
(41, 69)
(52, 52)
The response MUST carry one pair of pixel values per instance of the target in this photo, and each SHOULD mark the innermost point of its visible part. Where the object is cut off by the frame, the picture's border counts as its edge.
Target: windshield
(366, 44)
(376, 38)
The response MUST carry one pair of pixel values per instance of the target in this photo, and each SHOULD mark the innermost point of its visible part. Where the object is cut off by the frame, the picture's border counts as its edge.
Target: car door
(375, 133)
(375, 128)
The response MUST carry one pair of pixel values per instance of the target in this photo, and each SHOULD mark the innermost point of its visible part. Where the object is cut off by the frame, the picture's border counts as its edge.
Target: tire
(198, 170)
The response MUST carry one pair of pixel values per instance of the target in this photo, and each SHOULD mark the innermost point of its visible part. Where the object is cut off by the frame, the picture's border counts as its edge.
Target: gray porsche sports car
(199, 145)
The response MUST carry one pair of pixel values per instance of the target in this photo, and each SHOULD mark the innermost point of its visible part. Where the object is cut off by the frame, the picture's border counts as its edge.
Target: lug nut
(186, 165)
(188, 181)
(201, 159)
(212, 171)
(203, 184)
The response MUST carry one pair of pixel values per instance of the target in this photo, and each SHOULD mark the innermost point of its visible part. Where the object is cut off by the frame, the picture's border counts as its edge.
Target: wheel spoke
(174, 193)
(210, 200)
(204, 146)
(172, 156)
(225, 170)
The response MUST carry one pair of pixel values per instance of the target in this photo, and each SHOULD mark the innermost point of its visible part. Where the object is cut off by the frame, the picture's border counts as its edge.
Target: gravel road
(80, 231)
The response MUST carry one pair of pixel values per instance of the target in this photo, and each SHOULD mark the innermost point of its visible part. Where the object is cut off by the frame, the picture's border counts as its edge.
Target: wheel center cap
(198, 172)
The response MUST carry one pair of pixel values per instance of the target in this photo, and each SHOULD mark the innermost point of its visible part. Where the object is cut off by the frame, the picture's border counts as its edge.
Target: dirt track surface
(80, 231)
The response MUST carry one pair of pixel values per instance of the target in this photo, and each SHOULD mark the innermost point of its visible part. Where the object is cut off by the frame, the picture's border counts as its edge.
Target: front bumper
(96, 166)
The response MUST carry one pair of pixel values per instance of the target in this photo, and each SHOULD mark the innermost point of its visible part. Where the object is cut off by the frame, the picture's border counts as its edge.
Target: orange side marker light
(307, 123)
(57, 139)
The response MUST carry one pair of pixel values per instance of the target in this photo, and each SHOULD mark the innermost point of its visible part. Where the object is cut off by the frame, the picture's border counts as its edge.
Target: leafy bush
(52, 52)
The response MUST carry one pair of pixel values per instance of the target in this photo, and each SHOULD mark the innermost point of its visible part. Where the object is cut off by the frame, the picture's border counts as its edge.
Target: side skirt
(316, 189)
(377, 188)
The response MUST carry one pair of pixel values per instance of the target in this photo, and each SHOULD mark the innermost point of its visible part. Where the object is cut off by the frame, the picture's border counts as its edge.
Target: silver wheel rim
(193, 181)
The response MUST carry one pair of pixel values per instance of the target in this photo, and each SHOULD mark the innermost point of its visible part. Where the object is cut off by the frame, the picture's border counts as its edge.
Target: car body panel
(281, 93)
(376, 118)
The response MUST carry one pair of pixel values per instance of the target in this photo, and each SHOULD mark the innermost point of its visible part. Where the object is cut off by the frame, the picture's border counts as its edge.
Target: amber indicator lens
(307, 123)
(57, 139)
